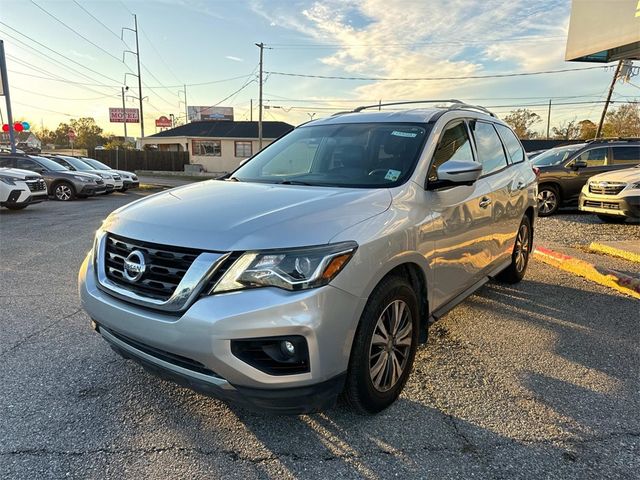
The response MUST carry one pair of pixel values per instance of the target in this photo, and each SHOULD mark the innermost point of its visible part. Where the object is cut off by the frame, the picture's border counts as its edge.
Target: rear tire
(63, 192)
(384, 347)
(16, 207)
(548, 200)
(520, 255)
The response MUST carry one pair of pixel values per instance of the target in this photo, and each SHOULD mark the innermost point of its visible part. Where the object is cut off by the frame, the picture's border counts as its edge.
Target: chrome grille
(605, 188)
(165, 266)
(36, 185)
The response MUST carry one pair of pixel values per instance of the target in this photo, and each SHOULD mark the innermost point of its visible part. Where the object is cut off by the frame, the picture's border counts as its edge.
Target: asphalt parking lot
(538, 380)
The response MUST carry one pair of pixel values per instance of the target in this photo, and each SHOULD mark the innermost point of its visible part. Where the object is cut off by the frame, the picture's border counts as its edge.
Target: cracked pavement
(538, 380)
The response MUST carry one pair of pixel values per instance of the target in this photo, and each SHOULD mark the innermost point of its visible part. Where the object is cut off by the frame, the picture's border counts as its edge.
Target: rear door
(626, 156)
(598, 161)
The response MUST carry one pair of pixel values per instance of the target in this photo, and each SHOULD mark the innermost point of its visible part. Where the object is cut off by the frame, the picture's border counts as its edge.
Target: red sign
(71, 135)
(163, 122)
(116, 115)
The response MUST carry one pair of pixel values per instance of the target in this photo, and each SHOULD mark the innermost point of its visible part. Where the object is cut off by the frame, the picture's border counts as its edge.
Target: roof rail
(613, 139)
(455, 105)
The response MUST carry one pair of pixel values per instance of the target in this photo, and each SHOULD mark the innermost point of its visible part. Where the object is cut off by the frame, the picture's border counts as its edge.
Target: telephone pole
(549, 120)
(606, 103)
(261, 47)
(137, 54)
(4, 90)
(186, 113)
(124, 113)
(251, 109)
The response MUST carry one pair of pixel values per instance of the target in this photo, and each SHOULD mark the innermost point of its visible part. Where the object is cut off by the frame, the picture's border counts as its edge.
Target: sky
(65, 57)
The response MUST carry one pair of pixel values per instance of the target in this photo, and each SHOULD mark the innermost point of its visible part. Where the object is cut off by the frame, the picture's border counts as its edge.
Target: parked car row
(64, 178)
(598, 175)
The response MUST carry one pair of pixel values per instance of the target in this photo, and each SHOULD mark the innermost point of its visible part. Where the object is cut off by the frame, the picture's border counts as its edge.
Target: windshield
(78, 164)
(555, 156)
(345, 155)
(50, 164)
(95, 164)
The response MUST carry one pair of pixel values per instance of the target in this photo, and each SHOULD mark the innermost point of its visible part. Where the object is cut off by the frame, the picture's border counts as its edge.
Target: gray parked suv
(317, 266)
(62, 184)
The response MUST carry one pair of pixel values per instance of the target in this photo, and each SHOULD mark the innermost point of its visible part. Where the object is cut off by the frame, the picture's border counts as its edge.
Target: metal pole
(549, 119)
(7, 97)
(251, 110)
(186, 114)
(606, 103)
(261, 47)
(124, 114)
(135, 21)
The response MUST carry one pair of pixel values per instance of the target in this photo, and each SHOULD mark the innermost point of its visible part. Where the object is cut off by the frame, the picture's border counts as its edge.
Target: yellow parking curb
(603, 276)
(615, 252)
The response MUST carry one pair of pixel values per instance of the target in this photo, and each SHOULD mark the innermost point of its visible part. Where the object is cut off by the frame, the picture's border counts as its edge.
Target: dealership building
(217, 145)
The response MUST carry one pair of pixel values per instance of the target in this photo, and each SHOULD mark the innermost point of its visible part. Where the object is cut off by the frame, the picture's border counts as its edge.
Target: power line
(13, 87)
(99, 21)
(76, 32)
(468, 77)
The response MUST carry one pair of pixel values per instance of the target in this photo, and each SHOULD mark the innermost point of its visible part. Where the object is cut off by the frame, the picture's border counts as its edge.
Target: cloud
(397, 38)
(84, 56)
(235, 59)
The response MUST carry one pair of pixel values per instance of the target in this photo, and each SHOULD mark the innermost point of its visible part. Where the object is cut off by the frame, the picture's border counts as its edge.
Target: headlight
(295, 269)
(106, 176)
(83, 179)
(10, 180)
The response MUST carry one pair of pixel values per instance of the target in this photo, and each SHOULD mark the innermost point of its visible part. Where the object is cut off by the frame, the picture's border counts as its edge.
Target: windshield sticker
(404, 134)
(392, 175)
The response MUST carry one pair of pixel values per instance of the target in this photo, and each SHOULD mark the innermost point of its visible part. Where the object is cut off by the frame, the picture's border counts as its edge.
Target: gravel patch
(580, 229)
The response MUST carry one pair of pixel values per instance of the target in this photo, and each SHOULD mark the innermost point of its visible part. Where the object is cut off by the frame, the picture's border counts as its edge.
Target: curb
(603, 276)
(614, 252)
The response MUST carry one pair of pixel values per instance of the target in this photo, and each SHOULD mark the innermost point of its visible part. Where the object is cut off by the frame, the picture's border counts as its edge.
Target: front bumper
(131, 183)
(614, 205)
(326, 317)
(90, 190)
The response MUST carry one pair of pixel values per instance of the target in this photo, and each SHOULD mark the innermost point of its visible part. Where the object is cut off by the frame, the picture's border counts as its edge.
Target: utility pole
(549, 119)
(186, 114)
(137, 54)
(606, 103)
(124, 113)
(251, 109)
(261, 47)
(5, 91)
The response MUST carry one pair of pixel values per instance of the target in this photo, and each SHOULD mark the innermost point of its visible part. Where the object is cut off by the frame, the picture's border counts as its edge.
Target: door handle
(517, 187)
(485, 202)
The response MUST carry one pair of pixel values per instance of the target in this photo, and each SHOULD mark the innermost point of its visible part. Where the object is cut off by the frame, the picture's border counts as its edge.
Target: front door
(598, 161)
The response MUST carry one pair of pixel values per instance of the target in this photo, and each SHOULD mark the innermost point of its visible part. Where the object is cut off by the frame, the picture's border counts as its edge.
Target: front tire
(64, 192)
(520, 255)
(16, 207)
(548, 200)
(384, 347)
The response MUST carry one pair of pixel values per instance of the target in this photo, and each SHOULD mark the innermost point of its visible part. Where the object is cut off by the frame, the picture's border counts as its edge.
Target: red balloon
(5, 127)
(18, 127)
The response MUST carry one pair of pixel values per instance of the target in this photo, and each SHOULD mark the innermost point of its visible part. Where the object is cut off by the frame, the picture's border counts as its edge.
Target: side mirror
(578, 164)
(39, 170)
(455, 173)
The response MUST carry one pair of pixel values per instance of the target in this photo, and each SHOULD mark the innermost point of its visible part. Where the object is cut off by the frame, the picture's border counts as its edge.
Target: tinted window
(6, 162)
(626, 155)
(454, 145)
(555, 156)
(26, 164)
(511, 143)
(50, 164)
(346, 155)
(490, 151)
(595, 157)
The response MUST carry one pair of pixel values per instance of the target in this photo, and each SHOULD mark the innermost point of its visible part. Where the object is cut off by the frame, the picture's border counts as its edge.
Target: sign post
(72, 136)
(4, 91)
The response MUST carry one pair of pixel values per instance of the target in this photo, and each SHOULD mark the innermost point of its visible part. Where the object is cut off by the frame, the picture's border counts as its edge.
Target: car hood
(232, 216)
(70, 173)
(17, 172)
(627, 175)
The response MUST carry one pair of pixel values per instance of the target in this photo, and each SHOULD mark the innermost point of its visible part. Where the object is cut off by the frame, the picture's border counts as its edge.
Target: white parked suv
(316, 267)
(613, 196)
(20, 188)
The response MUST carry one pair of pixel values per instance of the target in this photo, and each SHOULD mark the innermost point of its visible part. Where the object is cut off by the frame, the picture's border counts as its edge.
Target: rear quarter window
(511, 143)
(626, 155)
(489, 146)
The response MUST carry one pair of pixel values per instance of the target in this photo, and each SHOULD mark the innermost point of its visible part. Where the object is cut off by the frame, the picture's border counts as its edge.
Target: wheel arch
(554, 184)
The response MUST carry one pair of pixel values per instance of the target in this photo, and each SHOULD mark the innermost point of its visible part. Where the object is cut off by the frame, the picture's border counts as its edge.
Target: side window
(626, 155)
(454, 145)
(490, 152)
(6, 162)
(511, 143)
(595, 157)
(26, 164)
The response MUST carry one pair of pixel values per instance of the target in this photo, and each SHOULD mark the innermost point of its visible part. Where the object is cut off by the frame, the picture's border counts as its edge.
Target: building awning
(604, 31)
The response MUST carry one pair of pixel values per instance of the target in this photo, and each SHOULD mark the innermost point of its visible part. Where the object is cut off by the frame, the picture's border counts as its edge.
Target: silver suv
(317, 266)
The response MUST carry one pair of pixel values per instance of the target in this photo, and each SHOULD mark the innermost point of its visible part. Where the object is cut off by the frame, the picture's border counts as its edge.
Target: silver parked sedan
(317, 266)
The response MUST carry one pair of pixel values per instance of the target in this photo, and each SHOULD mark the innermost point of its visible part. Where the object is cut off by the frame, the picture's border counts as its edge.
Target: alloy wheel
(390, 346)
(547, 201)
(63, 192)
(522, 248)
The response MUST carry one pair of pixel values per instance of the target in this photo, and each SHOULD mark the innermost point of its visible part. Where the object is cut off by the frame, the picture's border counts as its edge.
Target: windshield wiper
(293, 182)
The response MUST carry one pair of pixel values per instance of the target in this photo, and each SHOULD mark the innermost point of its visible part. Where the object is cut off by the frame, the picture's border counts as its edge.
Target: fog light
(288, 348)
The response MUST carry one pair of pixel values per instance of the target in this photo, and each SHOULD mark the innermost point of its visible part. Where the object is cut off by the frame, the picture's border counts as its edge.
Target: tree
(623, 121)
(586, 129)
(521, 120)
(88, 133)
(566, 131)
